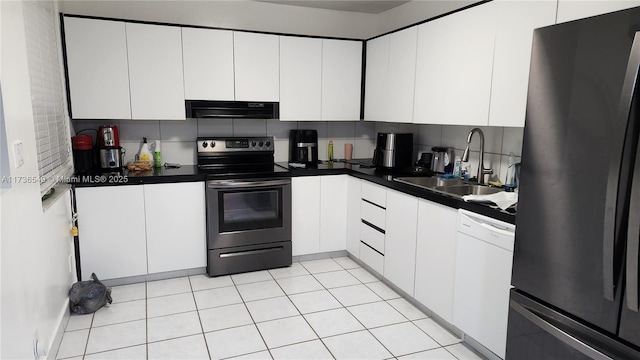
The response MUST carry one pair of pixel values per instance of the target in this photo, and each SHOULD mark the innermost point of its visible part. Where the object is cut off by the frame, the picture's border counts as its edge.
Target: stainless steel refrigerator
(575, 267)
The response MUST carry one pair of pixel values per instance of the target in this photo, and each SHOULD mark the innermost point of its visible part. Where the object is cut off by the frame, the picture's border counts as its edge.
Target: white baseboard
(54, 345)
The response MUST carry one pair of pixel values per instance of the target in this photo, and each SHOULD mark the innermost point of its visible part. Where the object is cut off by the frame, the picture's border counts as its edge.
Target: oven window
(250, 210)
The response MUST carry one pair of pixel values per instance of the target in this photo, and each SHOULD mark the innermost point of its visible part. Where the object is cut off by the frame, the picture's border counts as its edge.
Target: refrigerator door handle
(633, 238)
(613, 179)
(557, 333)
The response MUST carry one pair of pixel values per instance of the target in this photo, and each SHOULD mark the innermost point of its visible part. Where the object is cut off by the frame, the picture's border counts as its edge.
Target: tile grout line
(358, 320)
(302, 315)
(193, 295)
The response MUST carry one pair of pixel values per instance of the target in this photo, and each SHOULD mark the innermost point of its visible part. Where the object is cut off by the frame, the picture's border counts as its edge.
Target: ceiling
(361, 6)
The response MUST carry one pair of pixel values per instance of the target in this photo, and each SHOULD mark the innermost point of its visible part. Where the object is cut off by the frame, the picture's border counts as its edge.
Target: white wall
(259, 16)
(416, 11)
(35, 244)
(235, 14)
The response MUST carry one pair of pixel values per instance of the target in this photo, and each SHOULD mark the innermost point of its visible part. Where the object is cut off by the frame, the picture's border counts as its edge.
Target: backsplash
(178, 138)
(498, 143)
(179, 146)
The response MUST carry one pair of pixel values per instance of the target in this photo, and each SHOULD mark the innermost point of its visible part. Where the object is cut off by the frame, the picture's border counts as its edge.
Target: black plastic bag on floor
(86, 297)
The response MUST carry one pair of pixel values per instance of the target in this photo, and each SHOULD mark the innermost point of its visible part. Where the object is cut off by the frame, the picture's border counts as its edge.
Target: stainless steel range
(248, 205)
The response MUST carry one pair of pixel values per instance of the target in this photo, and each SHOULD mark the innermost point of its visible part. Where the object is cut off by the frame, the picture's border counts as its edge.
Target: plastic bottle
(457, 168)
(157, 155)
(510, 181)
(330, 150)
(145, 154)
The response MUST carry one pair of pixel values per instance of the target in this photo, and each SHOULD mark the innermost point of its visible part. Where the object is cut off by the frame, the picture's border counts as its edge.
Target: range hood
(209, 109)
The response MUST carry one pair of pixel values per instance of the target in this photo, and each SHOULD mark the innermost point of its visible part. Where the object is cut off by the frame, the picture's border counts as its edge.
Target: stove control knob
(268, 143)
(213, 144)
(261, 143)
(204, 144)
(253, 143)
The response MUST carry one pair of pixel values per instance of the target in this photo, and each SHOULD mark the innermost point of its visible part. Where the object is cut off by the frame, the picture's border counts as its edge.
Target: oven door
(248, 212)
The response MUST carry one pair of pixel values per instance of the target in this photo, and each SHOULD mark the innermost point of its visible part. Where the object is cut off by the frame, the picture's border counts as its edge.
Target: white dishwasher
(484, 256)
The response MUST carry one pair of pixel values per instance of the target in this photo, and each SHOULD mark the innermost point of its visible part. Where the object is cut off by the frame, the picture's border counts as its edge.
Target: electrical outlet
(18, 154)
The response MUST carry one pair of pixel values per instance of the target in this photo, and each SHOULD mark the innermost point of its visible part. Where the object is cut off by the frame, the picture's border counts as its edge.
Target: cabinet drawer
(374, 193)
(373, 214)
(372, 258)
(372, 237)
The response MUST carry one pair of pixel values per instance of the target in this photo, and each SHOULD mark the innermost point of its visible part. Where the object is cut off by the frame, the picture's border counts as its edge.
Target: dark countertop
(190, 173)
(185, 173)
(385, 178)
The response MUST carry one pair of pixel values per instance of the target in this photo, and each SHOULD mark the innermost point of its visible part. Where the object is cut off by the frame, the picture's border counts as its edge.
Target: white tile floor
(320, 309)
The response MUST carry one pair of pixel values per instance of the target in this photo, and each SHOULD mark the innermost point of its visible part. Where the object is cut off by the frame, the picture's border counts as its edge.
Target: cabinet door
(353, 215)
(402, 74)
(305, 213)
(569, 10)
(377, 72)
(453, 71)
(436, 258)
(257, 64)
(208, 64)
(176, 226)
(97, 68)
(512, 56)
(333, 213)
(400, 240)
(155, 72)
(112, 237)
(300, 78)
(341, 80)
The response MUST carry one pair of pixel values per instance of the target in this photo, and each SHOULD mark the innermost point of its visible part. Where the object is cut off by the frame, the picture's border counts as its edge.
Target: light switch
(18, 154)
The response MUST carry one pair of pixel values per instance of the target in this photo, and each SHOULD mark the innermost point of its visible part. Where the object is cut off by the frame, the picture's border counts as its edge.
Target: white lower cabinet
(354, 190)
(305, 215)
(136, 230)
(176, 226)
(318, 214)
(112, 236)
(333, 213)
(400, 240)
(436, 258)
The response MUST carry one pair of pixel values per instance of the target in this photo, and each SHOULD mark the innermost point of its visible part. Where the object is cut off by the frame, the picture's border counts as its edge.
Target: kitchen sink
(462, 190)
(429, 182)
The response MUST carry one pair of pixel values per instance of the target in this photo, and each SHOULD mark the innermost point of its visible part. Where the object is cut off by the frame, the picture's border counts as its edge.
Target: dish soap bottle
(510, 181)
(145, 154)
(330, 150)
(457, 168)
(157, 156)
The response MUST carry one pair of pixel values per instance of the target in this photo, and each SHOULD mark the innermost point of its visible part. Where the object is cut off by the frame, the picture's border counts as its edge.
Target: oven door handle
(238, 184)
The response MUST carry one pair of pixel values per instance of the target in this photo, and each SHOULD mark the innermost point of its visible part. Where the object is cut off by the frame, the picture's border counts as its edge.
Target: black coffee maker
(303, 148)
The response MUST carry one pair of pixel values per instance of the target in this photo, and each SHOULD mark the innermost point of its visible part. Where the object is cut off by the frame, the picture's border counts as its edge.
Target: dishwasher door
(484, 256)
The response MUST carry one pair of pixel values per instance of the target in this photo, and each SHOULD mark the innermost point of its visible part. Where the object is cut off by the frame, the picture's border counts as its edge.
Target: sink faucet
(482, 171)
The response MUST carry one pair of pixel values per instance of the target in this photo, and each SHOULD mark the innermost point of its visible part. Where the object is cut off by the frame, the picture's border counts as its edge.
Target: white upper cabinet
(454, 66)
(402, 74)
(155, 72)
(390, 77)
(208, 64)
(341, 80)
(97, 68)
(376, 80)
(300, 78)
(569, 10)
(257, 66)
(512, 56)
